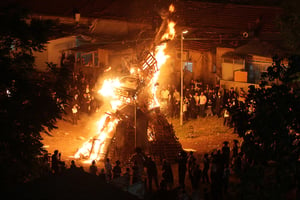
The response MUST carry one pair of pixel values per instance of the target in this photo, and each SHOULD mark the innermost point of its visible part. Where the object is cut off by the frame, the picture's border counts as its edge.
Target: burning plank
(127, 91)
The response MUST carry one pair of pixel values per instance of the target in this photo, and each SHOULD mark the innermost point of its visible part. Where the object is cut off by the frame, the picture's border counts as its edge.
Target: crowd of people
(199, 100)
(202, 101)
(207, 174)
(211, 173)
(82, 95)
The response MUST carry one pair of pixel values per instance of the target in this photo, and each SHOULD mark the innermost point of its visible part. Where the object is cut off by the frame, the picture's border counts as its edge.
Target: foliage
(272, 134)
(29, 102)
(289, 24)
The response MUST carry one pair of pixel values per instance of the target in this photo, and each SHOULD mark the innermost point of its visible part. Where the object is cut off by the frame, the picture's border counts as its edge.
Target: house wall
(228, 70)
(102, 57)
(262, 61)
(202, 66)
(219, 53)
(53, 52)
(112, 27)
(56, 47)
(257, 65)
(236, 85)
(116, 27)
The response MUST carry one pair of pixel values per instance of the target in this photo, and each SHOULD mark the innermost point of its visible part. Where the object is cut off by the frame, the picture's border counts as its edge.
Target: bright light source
(185, 31)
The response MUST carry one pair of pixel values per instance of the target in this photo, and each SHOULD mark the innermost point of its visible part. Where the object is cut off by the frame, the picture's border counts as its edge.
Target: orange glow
(161, 58)
(171, 32)
(96, 148)
(171, 8)
(109, 87)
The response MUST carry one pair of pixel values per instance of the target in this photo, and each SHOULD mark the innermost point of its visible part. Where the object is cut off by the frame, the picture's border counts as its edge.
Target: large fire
(96, 148)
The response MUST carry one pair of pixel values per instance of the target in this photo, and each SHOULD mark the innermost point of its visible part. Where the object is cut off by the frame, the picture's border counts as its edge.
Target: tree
(271, 135)
(289, 24)
(30, 101)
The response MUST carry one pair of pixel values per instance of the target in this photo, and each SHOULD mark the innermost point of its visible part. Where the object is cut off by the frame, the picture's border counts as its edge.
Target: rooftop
(209, 24)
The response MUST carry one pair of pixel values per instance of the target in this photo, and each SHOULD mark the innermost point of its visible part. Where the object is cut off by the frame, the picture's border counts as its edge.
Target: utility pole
(181, 77)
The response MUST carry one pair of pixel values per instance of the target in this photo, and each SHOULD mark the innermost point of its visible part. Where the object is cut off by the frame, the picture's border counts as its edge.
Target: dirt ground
(199, 135)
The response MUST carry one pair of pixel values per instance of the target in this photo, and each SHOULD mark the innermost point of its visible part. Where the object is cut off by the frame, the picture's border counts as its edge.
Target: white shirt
(197, 99)
(165, 94)
(203, 99)
(176, 96)
(74, 109)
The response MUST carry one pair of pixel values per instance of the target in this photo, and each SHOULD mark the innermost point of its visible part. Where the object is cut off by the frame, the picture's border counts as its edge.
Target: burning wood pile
(163, 142)
(133, 98)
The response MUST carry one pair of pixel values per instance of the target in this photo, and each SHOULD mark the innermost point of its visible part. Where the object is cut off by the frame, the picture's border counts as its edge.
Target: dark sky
(89, 7)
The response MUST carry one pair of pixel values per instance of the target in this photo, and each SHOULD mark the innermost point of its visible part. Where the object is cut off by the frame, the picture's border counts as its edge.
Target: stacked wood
(163, 142)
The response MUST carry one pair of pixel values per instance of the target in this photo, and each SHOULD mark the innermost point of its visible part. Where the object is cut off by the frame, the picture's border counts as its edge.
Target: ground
(199, 135)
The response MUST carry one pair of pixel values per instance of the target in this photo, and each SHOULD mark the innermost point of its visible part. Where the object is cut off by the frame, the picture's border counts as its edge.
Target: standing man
(219, 105)
(138, 160)
(226, 152)
(182, 161)
(151, 173)
(93, 168)
(197, 100)
(55, 162)
(206, 163)
(108, 170)
(202, 105)
(74, 114)
(176, 103)
(117, 170)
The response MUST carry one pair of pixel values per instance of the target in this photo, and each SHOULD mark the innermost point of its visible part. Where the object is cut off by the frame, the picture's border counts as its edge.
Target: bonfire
(137, 91)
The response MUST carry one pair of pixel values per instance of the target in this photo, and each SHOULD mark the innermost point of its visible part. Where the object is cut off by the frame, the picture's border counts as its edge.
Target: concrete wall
(228, 70)
(219, 53)
(264, 62)
(202, 66)
(102, 57)
(56, 47)
(236, 85)
(116, 27)
(53, 52)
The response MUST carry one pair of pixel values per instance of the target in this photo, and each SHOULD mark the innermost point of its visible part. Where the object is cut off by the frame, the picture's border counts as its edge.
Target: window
(89, 59)
(188, 66)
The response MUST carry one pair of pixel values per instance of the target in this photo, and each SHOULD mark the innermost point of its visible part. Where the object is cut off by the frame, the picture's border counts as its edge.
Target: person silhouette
(117, 170)
(93, 168)
(55, 162)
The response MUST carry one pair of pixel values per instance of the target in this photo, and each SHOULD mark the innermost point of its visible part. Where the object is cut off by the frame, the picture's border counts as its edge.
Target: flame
(161, 59)
(109, 87)
(109, 90)
(171, 32)
(171, 8)
(96, 148)
(132, 71)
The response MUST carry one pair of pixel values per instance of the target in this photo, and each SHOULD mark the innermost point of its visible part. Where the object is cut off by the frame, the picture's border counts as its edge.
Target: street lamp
(181, 78)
